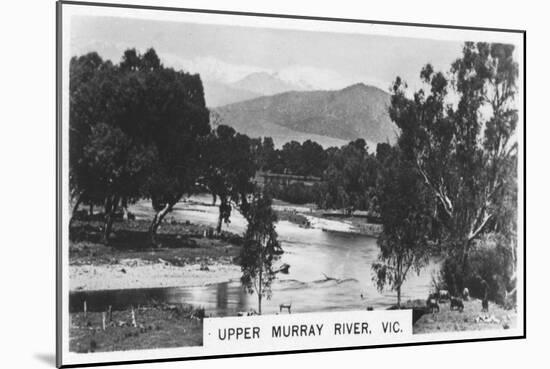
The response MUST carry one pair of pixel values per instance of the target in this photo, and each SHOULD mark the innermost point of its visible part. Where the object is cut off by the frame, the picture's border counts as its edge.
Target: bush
(491, 262)
(295, 193)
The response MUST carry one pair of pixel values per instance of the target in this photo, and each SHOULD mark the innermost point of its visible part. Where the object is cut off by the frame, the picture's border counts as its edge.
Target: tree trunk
(108, 227)
(220, 215)
(157, 219)
(399, 296)
(464, 266)
(245, 206)
(91, 209)
(260, 294)
(124, 204)
(75, 209)
(110, 208)
(219, 226)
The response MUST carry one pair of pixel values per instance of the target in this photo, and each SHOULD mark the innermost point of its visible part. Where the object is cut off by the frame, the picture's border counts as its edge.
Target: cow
(285, 306)
(432, 305)
(443, 295)
(466, 294)
(456, 303)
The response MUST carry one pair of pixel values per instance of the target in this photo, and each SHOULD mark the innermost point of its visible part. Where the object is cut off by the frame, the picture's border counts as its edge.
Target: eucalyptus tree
(405, 211)
(175, 120)
(261, 249)
(229, 172)
(107, 164)
(135, 128)
(459, 133)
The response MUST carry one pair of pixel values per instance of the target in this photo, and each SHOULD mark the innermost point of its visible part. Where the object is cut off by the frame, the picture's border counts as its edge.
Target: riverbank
(137, 273)
(156, 326)
(188, 255)
(308, 216)
(470, 319)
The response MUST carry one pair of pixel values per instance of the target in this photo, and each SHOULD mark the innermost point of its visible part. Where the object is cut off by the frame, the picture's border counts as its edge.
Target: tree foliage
(230, 170)
(134, 129)
(261, 248)
(302, 159)
(459, 133)
(350, 178)
(406, 217)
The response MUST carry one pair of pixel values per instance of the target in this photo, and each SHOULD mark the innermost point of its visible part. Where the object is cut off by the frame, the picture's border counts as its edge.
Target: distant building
(264, 178)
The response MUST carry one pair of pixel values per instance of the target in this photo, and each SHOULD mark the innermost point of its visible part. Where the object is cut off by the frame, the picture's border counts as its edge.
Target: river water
(313, 255)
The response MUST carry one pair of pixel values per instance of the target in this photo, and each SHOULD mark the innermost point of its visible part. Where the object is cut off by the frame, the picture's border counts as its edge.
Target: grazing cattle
(456, 303)
(485, 305)
(432, 305)
(250, 312)
(284, 306)
(466, 293)
(443, 295)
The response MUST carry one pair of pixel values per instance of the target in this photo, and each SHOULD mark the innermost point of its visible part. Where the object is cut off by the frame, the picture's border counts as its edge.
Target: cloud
(213, 69)
(210, 68)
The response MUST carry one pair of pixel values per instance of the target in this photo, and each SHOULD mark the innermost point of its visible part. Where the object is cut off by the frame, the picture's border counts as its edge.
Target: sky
(225, 53)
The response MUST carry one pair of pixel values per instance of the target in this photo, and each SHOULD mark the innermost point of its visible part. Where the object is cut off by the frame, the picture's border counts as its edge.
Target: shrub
(490, 263)
(295, 193)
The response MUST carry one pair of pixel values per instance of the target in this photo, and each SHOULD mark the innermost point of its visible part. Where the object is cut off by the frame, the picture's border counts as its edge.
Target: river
(312, 255)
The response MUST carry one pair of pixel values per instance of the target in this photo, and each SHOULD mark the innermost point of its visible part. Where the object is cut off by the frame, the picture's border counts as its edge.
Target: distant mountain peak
(355, 86)
(265, 83)
(260, 74)
(363, 87)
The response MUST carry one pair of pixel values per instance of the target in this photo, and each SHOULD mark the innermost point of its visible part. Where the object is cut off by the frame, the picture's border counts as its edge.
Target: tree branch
(439, 193)
(475, 233)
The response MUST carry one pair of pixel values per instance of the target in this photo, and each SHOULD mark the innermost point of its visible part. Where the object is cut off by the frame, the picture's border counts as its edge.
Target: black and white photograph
(221, 167)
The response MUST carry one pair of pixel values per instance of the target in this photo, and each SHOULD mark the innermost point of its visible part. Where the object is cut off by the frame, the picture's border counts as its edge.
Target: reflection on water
(313, 255)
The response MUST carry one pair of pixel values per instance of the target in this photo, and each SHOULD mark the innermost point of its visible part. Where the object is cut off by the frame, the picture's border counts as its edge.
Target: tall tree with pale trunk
(460, 134)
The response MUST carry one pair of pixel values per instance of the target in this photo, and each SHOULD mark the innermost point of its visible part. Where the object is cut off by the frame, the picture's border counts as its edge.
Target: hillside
(357, 111)
(218, 93)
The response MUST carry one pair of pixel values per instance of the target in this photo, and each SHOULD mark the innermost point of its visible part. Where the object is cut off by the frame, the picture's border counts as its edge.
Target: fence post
(133, 318)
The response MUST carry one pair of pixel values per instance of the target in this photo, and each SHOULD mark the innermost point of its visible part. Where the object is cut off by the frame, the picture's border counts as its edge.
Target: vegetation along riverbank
(186, 255)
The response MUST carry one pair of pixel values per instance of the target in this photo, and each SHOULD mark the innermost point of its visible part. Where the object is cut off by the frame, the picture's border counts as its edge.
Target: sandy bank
(137, 273)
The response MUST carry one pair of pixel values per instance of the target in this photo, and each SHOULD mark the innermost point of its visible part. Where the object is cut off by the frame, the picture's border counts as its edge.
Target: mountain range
(253, 85)
(330, 117)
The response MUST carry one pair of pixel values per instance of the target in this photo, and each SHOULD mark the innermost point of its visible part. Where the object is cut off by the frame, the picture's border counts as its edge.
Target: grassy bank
(186, 255)
(159, 326)
(181, 243)
(448, 320)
